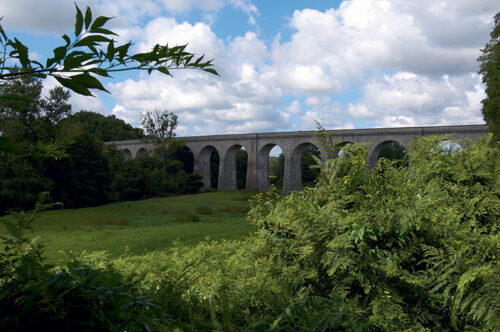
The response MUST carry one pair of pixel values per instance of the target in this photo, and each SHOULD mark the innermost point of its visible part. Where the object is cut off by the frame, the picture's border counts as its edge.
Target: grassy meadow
(138, 227)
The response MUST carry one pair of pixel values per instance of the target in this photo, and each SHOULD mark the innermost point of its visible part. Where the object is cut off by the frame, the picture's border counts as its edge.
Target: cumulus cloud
(408, 99)
(410, 63)
(330, 50)
(244, 98)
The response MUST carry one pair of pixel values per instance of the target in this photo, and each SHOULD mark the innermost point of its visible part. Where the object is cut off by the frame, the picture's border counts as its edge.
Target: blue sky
(284, 64)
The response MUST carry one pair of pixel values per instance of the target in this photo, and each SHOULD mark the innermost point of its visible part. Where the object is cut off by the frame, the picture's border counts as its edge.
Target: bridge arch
(126, 154)
(390, 149)
(203, 165)
(293, 168)
(263, 165)
(228, 173)
(141, 153)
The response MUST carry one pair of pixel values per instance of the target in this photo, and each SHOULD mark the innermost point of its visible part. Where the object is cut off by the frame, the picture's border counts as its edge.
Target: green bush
(392, 248)
(75, 297)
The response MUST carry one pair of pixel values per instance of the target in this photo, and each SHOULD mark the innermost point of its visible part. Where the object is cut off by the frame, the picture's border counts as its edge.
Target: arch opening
(392, 151)
(301, 160)
(207, 165)
(270, 166)
(127, 155)
(309, 173)
(214, 169)
(141, 153)
(241, 168)
(185, 156)
(233, 168)
(276, 168)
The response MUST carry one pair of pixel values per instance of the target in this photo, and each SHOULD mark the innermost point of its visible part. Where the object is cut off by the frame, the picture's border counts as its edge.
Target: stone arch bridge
(292, 144)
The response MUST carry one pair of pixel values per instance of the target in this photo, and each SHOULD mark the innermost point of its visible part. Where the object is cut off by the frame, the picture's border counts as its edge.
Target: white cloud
(244, 98)
(410, 63)
(330, 50)
(294, 108)
(408, 99)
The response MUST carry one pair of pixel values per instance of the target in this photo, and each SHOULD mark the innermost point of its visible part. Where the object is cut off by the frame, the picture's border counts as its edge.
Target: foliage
(393, 151)
(309, 172)
(31, 117)
(104, 128)
(241, 169)
(75, 297)
(83, 177)
(155, 175)
(214, 169)
(394, 248)
(490, 69)
(159, 124)
(90, 53)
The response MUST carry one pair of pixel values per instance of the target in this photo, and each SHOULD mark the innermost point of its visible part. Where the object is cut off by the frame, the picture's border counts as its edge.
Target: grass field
(138, 227)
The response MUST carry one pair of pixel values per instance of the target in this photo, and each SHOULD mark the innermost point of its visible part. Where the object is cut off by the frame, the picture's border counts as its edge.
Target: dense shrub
(153, 176)
(76, 297)
(82, 177)
(392, 248)
(21, 181)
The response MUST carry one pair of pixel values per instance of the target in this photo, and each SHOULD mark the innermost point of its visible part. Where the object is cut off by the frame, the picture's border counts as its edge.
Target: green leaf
(21, 52)
(164, 70)
(211, 70)
(99, 22)
(73, 86)
(88, 18)
(104, 31)
(88, 81)
(7, 144)
(67, 40)
(76, 61)
(92, 41)
(59, 53)
(99, 71)
(78, 21)
(123, 50)
(110, 51)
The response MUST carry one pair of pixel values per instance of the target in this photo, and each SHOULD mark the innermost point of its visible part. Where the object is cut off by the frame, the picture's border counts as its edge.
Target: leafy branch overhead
(93, 53)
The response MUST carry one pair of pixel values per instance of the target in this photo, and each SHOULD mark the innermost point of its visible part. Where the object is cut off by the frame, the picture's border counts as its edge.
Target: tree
(90, 53)
(490, 69)
(104, 128)
(31, 117)
(159, 124)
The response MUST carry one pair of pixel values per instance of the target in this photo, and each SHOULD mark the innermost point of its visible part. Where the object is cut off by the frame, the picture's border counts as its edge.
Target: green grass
(139, 227)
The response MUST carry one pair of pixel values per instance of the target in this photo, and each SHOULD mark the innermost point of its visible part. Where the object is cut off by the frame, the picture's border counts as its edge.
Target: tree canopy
(105, 128)
(490, 69)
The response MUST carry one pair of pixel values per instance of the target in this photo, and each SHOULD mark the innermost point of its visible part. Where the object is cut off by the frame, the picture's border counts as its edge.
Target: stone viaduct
(292, 145)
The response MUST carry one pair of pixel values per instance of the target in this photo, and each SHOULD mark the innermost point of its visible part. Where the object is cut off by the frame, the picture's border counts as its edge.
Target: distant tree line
(85, 172)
